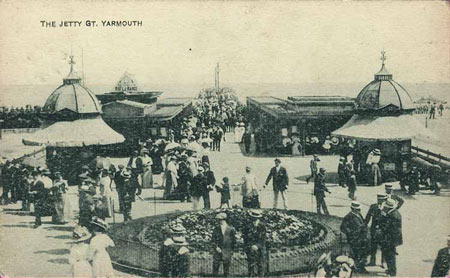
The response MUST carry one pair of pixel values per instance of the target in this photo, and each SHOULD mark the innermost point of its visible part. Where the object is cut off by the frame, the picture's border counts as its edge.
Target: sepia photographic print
(224, 138)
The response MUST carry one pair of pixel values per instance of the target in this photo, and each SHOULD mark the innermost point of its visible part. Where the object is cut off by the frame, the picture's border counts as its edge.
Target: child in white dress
(80, 266)
(97, 254)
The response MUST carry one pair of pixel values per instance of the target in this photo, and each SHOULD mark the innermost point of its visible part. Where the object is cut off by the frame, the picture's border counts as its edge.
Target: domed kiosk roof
(384, 113)
(73, 96)
(382, 92)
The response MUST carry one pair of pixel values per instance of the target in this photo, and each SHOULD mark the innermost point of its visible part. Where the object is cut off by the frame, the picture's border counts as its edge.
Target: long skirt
(58, 213)
(147, 178)
(101, 265)
(169, 185)
(67, 211)
(106, 200)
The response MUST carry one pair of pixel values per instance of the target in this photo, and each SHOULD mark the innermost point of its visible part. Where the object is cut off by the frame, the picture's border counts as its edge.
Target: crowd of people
(431, 109)
(23, 117)
(183, 159)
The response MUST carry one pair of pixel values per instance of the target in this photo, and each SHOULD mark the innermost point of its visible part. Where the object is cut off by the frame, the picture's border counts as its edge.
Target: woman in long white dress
(237, 136)
(105, 183)
(79, 263)
(147, 176)
(97, 254)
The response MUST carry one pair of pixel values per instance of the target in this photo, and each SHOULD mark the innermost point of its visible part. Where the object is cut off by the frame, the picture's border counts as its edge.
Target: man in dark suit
(441, 266)
(374, 215)
(280, 181)
(174, 254)
(341, 172)
(357, 233)
(319, 191)
(254, 234)
(224, 240)
(210, 183)
(391, 235)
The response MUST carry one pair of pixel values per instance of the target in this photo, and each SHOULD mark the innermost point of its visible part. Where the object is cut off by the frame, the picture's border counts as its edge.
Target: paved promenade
(44, 252)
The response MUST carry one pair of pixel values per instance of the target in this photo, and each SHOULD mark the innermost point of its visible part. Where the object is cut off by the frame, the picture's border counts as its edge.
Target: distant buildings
(127, 89)
(308, 118)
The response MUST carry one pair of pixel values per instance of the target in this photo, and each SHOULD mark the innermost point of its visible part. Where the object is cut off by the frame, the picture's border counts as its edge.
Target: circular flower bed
(295, 240)
(283, 228)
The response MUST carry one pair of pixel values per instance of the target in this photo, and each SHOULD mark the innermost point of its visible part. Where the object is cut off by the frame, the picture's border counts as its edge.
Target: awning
(83, 132)
(383, 128)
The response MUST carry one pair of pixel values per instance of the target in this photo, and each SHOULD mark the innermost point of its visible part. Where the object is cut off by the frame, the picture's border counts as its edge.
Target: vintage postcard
(224, 138)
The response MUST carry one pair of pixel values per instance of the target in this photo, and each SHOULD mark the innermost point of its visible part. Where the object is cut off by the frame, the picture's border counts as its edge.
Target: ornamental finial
(383, 56)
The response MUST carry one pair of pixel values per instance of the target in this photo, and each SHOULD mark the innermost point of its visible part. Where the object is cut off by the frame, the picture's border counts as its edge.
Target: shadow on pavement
(331, 177)
(60, 228)
(17, 225)
(61, 237)
(59, 261)
(54, 252)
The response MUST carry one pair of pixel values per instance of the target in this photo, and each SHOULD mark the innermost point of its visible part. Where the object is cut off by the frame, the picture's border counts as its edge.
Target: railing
(430, 155)
(18, 130)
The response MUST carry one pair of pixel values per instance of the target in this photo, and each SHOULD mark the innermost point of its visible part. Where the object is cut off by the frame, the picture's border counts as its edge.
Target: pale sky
(254, 42)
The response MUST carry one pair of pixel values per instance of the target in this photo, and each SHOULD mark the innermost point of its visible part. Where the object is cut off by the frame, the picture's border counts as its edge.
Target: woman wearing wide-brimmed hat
(79, 263)
(97, 254)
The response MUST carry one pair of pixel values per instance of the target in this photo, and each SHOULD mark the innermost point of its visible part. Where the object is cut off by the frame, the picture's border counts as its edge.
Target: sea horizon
(36, 94)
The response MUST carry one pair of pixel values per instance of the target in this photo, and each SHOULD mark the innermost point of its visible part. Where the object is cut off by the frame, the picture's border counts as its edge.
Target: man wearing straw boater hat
(374, 215)
(313, 167)
(391, 235)
(254, 234)
(398, 201)
(356, 231)
(174, 253)
(319, 191)
(224, 240)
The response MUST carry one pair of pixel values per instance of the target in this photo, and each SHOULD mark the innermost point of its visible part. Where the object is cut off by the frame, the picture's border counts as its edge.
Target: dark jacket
(254, 235)
(319, 185)
(313, 166)
(224, 192)
(391, 228)
(280, 178)
(442, 263)
(226, 241)
(352, 183)
(210, 178)
(355, 228)
(199, 185)
(341, 170)
(374, 214)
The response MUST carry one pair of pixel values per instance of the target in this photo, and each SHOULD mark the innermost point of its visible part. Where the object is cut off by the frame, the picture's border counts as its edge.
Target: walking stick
(113, 212)
(154, 202)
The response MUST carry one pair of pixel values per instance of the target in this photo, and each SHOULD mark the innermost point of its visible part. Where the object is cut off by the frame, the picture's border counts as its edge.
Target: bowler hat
(322, 170)
(277, 160)
(388, 186)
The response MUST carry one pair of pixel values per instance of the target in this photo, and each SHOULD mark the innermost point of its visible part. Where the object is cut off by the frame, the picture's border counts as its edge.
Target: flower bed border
(140, 258)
